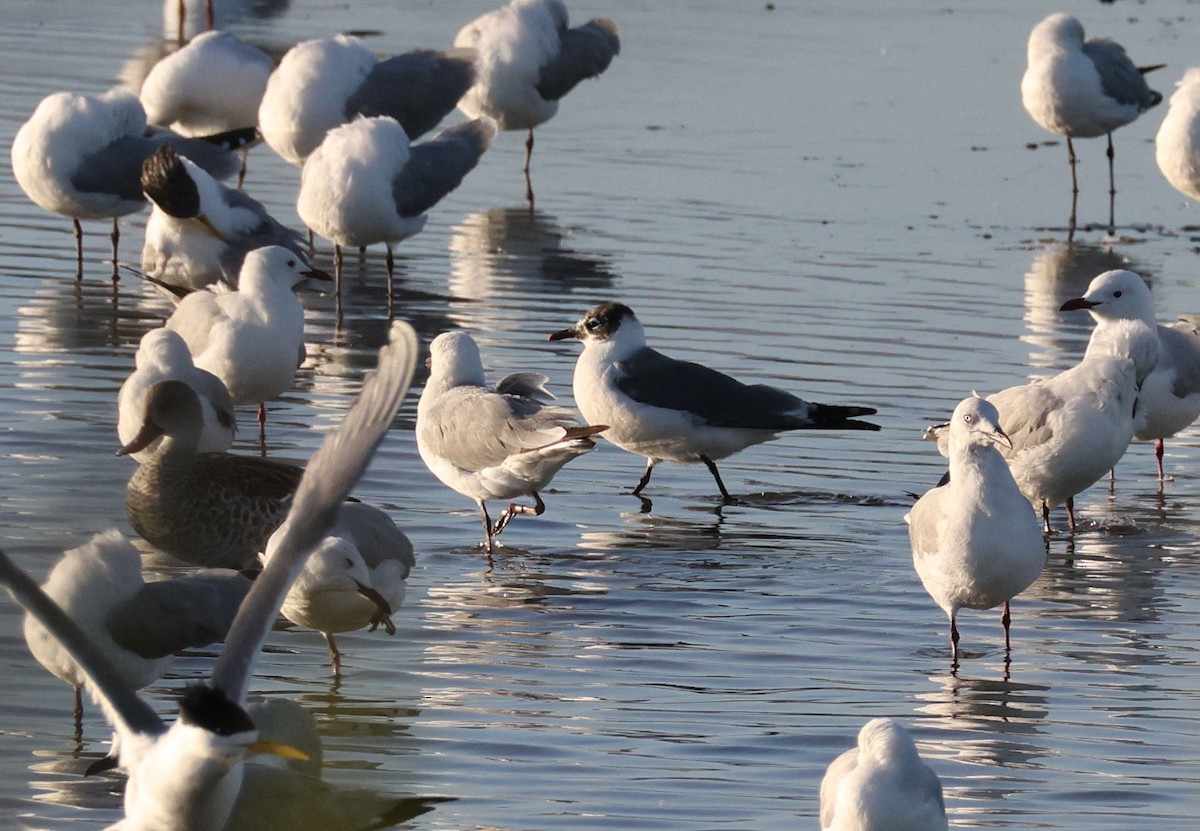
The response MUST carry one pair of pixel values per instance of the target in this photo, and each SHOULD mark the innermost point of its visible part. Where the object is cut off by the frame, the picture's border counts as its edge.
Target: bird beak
(1000, 437)
(273, 748)
(318, 274)
(563, 334)
(147, 434)
(1077, 304)
(383, 609)
(207, 223)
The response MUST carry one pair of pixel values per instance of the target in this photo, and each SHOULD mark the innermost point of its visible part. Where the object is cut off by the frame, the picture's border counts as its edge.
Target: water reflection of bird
(189, 774)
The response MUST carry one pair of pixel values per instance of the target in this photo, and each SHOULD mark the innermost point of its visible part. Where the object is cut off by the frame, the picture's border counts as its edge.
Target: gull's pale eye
(968, 418)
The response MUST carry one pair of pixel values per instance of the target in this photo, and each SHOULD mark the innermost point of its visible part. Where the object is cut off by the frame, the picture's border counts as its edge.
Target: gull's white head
(454, 361)
(884, 741)
(164, 348)
(612, 328)
(975, 423)
(1057, 31)
(337, 564)
(1116, 295)
(272, 267)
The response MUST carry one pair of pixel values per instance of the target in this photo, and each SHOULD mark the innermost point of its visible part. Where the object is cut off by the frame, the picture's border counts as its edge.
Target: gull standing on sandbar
(678, 411)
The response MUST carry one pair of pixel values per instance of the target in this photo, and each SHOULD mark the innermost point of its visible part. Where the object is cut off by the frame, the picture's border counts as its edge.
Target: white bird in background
(213, 84)
(365, 184)
(1082, 89)
(355, 578)
(1170, 395)
(882, 785)
(495, 442)
(975, 540)
(200, 231)
(188, 775)
(252, 338)
(322, 84)
(1177, 144)
(665, 409)
(528, 60)
(162, 354)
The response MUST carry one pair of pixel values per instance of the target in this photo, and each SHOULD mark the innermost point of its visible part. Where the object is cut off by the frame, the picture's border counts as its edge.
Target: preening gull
(666, 409)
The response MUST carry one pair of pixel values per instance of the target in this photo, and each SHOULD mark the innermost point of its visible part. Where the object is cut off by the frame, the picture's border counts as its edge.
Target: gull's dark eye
(592, 324)
(349, 562)
(1116, 294)
(291, 263)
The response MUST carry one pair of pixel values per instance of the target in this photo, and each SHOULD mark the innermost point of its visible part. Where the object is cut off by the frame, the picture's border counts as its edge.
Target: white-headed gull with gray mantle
(162, 355)
(189, 774)
(882, 785)
(354, 579)
(81, 156)
(529, 58)
(1170, 395)
(976, 542)
(677, 411)
(366, 184)
(1082, 89)
(322, 84)
(496, 442)
(251, 338)
(1177, 144)
(199, 230)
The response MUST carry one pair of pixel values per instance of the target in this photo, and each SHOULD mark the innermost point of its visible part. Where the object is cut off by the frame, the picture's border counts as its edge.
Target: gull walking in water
(1082, 89)
(882, 785)
(81, 156)
(199, 231)
(1177, 145)
(677, 411)
(322, 84)
(189, 774)
(529, 58)
(163, 355)
(1170, 394)
(354, 579)
(366, 185)
(975, 540)
(496, 442)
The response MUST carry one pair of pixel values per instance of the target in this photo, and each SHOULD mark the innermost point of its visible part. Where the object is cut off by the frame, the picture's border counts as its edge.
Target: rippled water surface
(841, 200)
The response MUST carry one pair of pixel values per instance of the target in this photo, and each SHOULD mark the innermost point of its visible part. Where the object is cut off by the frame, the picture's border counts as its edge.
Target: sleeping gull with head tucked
(1177, 144)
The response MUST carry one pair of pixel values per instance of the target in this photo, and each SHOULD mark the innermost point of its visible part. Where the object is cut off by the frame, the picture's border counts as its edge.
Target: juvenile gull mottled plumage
(529, 58)
(188, 775)
(1170, 394)
(975, 540)
(1082, 89)
(322, 84)
(162, 355)
(200, 231)
(882, 785)
(495, 442)
(677, 411)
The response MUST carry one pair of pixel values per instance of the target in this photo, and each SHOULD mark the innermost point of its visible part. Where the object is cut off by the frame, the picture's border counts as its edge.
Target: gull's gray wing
(116, 168)
(1180, 356)
(529, 384)
(1025, 414)
(418, 88)
(438, 166)
(1119, 78)
(331, 473)
(269, 231)
(584, 52)
(127, 710)
(162, 618)
(923, 520)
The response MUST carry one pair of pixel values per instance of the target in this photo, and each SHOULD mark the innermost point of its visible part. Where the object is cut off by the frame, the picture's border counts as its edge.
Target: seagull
(81, 156)
(495, 442)
(366, 185)
(354, 578)
(162, 354)
(976, 541)
(528, 60)
(1177, 145)
(138, 625)
(677, 411)
(200, 231)
(1170, 395)
(1082, 89)
(882, 784)
(188, 775)
(252, 338)
(211, 85)
(322, 84)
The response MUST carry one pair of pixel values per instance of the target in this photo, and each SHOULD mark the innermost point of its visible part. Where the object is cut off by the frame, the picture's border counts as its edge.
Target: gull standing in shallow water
(199, 231)
(528, 60)
(81, 156)
(975, 540)
(189, 774)
(1170, 394)
(1082, 89)
(495, 442)
(677, 411)
(882, 785)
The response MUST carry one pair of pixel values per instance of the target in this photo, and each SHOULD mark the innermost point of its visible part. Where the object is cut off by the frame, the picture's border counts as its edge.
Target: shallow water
(840, 201)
